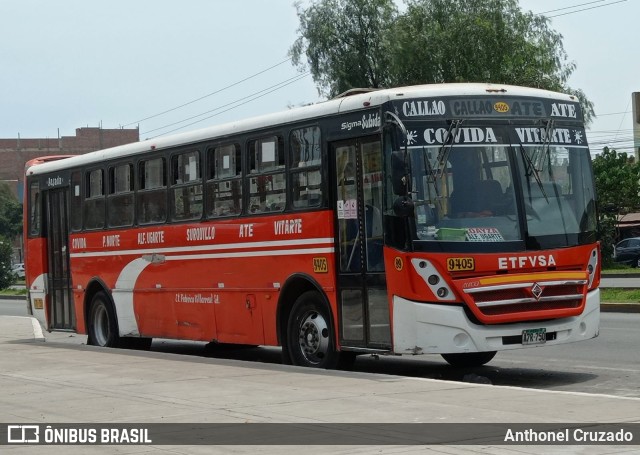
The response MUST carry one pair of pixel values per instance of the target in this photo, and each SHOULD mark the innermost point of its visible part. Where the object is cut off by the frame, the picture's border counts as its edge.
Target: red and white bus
(454, 219)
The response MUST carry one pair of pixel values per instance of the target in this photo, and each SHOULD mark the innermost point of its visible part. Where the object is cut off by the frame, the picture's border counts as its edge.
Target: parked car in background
(627, 251)
(18, 270)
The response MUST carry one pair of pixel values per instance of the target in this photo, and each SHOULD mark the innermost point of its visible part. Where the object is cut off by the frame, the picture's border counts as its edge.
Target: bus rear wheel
(310, 337)
(102, 326)
(469, 359)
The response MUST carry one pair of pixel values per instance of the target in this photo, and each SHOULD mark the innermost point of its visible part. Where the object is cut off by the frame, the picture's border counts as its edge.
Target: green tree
(10, 228)
(617, 179)
(6, 252)
(346, 43)
(10, 213)
(367, 43)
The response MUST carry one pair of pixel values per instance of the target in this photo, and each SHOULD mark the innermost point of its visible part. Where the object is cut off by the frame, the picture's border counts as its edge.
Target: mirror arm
(395, 120)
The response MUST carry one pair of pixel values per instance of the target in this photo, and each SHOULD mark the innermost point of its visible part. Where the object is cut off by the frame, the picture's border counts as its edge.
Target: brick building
(14, 153)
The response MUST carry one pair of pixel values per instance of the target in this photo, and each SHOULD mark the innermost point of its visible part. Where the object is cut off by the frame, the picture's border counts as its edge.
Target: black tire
(140, 344)
(347, 360)
(636, 263)
(310, 337)
(469, 359)
(102, 326)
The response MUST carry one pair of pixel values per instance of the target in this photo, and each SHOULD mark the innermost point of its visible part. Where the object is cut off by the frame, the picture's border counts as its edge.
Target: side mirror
(404, 207)
(399, 178)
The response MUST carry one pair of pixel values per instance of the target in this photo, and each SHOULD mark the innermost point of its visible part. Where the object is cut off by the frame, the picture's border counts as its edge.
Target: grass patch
(13, 292)
(619, 269)
(620, 295)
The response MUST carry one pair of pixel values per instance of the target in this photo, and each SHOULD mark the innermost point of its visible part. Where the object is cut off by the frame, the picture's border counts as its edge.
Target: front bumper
(426, 328)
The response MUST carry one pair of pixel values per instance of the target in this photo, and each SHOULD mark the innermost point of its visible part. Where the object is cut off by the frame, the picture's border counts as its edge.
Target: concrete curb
(12, 297)
(20, 328)
(612, 307)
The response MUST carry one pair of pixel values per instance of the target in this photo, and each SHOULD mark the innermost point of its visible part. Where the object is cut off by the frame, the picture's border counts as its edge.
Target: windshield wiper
(447, 144)
(437, 172)
(532, 171)
(546, 144)
(433, 175)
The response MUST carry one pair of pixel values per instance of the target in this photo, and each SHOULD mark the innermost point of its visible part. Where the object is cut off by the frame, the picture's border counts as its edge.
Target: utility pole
(635, 98)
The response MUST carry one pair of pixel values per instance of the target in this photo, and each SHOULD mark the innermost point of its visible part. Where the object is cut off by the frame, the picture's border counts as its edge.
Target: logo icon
(536, 290)
(501, 107)
(23, 434)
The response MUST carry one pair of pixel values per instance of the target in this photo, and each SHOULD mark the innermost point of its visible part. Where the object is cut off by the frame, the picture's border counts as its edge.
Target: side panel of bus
(212, 281)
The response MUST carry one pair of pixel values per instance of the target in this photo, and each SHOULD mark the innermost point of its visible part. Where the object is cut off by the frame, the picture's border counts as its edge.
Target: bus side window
(152, 195)
(94, 204)
(120, 201)
(75, 208)
(186, 182)
(34, 208)
(267, 179)
(305, 167)
(224, 181)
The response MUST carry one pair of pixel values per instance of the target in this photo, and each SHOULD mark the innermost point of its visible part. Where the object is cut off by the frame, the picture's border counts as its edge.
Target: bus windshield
(493, 184)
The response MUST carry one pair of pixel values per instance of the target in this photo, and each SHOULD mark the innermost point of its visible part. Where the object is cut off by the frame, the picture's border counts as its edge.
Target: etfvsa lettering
(521, 262)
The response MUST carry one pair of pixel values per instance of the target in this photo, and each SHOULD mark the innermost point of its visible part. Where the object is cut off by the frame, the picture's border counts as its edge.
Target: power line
(209, 94)
(570, 7)
(612, 113)
(297, 77)
(252, 98)
(622, 120)
(586, 9)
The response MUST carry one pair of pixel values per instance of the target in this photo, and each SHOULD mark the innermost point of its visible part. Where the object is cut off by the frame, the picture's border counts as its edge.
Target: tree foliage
(6, 275)
(368, 43)
(617, 176)
(10, 227)
(345, 43)
(617, 179)
(10, 213)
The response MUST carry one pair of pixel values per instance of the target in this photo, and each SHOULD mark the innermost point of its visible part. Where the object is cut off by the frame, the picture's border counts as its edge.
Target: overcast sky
(73, 63)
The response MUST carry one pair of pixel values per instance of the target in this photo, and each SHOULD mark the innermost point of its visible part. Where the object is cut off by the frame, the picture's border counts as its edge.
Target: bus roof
(362, 99)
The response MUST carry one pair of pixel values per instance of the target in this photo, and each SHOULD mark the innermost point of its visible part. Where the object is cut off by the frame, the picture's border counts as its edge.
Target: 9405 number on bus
(461, 264)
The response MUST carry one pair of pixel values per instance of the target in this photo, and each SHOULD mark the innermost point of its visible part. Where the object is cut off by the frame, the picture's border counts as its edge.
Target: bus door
(60, 310)
(362, 297)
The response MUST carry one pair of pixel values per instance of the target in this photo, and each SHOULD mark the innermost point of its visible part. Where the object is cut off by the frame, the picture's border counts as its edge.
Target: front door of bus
(363, 302)
(60, 310)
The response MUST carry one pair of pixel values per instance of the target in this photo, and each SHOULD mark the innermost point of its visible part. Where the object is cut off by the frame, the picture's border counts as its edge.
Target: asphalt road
(620, 282)
(609, 364)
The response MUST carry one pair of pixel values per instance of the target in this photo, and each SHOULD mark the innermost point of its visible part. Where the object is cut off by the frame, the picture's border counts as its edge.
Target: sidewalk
(48, 383)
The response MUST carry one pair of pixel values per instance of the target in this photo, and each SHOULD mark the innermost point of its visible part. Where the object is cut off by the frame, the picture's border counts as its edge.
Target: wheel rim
(101, 325)
(313, 337)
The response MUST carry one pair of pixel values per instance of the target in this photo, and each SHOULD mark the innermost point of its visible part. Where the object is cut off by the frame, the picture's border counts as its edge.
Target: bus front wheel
(469, 359)
(310, 338)
(103, 330)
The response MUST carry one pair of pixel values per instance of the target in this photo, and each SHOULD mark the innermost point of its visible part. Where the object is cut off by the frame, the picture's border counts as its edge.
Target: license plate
(534, 336)
(460, 264)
